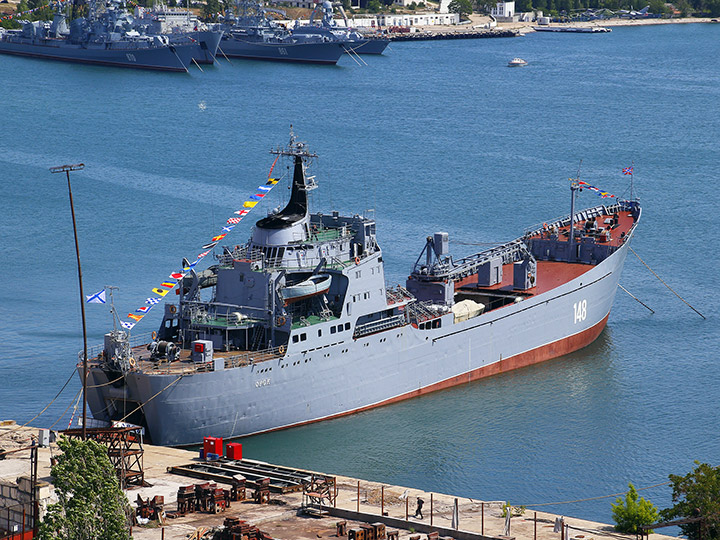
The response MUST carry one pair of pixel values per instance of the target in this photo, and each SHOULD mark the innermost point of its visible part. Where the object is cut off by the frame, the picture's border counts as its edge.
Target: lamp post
(66, 169)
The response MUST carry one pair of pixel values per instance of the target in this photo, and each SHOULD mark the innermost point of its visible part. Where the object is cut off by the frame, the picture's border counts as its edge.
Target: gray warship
(180, 24)
(100, 39)
(298, 325)
(355, 41)
(252, 34)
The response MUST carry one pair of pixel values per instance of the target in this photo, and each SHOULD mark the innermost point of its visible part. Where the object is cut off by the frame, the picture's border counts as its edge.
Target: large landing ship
(298, 325)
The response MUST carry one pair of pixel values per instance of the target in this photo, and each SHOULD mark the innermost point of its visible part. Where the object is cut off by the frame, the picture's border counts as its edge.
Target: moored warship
(99, 39)
(355, 41)
(252, 34)
(298, 324)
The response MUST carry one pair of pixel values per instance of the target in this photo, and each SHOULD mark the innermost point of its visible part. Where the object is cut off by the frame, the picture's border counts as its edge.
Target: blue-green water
(433, 136)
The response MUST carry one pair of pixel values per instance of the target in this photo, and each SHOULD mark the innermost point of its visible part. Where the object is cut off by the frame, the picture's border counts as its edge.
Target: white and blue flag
(97, 298)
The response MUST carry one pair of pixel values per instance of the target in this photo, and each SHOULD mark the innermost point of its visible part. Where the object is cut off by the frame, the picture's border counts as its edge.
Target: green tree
(91, 504)
(374, 6)
(211, 9)
(697, 494)
(463, 7)
(633, 512)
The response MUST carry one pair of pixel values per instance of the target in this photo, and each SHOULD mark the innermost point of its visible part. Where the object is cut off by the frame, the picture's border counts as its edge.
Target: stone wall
(16, 498)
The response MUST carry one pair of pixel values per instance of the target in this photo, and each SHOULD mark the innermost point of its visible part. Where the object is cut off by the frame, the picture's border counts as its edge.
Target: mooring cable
(636, 298)
(45, 409)
(595, 498)
(668, 286)
(149, 400)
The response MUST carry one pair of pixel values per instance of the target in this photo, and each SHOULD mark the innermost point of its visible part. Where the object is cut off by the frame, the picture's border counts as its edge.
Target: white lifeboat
(312, 286)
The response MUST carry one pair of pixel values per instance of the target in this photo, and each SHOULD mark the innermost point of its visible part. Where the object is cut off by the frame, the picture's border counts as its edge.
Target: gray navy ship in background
(105, 38)
(355, 41)
(298, 324)
(251, 33)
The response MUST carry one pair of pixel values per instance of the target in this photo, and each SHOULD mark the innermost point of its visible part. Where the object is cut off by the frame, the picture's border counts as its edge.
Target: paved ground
(282, 518)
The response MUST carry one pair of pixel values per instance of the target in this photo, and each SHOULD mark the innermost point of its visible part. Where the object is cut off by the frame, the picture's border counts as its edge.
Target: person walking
(418, 510)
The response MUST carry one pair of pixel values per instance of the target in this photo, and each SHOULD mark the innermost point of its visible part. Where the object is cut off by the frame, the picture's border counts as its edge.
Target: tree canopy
(632, 512)
(463, 7)
(697, 494)
(91, 505)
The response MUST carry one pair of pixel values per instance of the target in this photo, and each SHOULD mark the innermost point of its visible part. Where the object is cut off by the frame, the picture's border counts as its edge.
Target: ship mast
(294, 148)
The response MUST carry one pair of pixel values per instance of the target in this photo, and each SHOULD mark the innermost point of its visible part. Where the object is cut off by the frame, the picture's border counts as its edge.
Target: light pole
(66, 169)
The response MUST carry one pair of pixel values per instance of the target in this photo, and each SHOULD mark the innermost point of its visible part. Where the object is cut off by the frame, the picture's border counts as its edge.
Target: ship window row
(299, 337)
(427, 325)
(365, 296)
(339, 328)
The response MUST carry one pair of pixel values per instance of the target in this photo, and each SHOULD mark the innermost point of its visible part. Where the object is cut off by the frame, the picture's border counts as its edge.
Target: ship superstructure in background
(298, 325)
(361, 43)
(102, 38)
(251, 33)
(179, 24)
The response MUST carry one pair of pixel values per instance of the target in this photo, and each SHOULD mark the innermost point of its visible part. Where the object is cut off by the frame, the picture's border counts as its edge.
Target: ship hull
(160, 58)
(207, 45)
(310, 53)
(343, 375)
(369, 46)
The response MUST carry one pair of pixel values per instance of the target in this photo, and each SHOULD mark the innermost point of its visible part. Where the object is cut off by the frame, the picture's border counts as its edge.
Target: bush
(633, 512)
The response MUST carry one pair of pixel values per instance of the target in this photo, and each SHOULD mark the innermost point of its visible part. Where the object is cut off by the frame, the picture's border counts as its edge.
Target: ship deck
(184, 364)
(552, 274)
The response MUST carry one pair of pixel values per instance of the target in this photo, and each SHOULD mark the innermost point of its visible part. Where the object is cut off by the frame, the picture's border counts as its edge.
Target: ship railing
(423, 311)
(380, 325)
(583, 215)
(242, 359)
(135, 341)
(397, 295)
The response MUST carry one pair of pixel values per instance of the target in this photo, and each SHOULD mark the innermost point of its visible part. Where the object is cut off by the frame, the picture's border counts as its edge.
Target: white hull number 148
(580, 311)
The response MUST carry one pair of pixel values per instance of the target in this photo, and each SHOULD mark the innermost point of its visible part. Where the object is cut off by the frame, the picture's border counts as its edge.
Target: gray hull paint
(160, 58)
(207, 46)
(313, 53)
(370, 46)
(341, 375)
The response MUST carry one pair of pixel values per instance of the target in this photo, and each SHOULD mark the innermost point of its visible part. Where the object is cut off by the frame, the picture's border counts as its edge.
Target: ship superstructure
(298, 325)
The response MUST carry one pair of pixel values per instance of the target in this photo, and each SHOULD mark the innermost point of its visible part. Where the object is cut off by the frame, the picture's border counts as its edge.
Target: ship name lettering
(283, 51)
(131, 57)
(262, 382)
(580, 309)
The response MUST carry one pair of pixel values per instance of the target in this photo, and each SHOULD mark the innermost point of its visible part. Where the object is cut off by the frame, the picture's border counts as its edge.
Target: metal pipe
(358, 497)
(482, 518)
(382, 500)
(431, 509)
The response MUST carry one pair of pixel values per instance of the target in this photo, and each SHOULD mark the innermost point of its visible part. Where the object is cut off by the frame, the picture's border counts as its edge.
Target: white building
(382, 20)
(503, 11)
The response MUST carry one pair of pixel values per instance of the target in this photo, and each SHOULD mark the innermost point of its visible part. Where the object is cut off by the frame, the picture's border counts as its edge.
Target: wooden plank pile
(238, 529)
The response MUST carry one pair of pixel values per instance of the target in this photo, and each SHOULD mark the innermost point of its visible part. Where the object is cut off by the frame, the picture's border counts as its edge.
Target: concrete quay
(283, 518)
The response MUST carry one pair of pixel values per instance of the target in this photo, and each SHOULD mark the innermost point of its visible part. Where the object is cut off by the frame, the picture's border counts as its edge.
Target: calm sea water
(432, 136)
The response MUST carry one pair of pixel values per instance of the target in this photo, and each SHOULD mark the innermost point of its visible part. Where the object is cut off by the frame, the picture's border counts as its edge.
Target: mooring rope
(149, 400)
(595, 498)
(636, 298)
(668, 286)
(13, 430)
